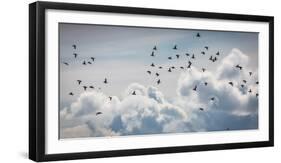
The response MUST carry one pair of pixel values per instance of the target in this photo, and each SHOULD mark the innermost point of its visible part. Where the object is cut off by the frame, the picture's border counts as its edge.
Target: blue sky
(122, 55)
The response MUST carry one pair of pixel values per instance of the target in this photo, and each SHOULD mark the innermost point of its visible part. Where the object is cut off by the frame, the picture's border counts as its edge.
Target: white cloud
(148, 112)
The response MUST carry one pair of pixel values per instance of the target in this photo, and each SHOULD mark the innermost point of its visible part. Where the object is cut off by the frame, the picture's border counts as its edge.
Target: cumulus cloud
(149, 112)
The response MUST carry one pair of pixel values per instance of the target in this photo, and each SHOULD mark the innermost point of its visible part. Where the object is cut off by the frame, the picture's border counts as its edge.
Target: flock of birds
(212, 58)
(192, 57)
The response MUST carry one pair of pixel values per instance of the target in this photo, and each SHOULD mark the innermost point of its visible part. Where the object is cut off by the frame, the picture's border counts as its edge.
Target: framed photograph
(111, 81)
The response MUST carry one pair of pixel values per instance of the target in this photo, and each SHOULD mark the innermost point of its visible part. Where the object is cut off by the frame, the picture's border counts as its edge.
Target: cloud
(149, 112)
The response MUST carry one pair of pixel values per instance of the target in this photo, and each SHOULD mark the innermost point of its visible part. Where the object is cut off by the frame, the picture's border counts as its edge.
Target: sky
(123, 56)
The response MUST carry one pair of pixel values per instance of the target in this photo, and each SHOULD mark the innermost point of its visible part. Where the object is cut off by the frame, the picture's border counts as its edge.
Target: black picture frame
(37, 80)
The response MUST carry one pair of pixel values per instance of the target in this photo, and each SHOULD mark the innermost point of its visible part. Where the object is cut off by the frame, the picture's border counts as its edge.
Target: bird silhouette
(160, 67)
(198, 35)
(230, 83)
(257, 82)
(250, 73)
(154, 48)
(215, 59)
(84, 63)
(98, 113)
(71, 94)
(169, 70)
(79, 82)
(250, 91)
(206, 47)
(149, 72)
(203, 52)
(173, 67)
(238, 66)
(85, 88)
(211, 58)
(206, 83)
(93, 59)
(152, 65)
(75, 55)
(182, 67)
(201, 109)
(89, 62)
(218, 53)
(178, 56)
(242, 85)
(175, 47)
(152, 54)
(244, 81)
(195, 88)
(92, 87)
(257, 94)
(157, 74)
(74, 46)
(110, 98)
(170, 58)
(187, 54)
(193, 56)
(105, 81)
(158, 81)
(134, 93)
(212, 98)
(66, 63)
(203, 69)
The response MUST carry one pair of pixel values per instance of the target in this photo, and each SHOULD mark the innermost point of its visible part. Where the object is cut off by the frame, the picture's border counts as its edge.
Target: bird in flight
(160, 67)
(182, 67)
(178, 56)
(152, 65)
(71, 94)
(158, 81)
(206, 83)
(242, 85)
(201, 109)
(218, 53)
(214, 60)
(206, 47)
(193, 57)
(152, 54)
(98, 113)
(110, 98)
(85, 88)
(250, 91)
(149, 72)
(257, 82)
(250, 73)
(169, 70)
(212, 98)
(84, 63)
(170, 58)
(79, 82)
(244, 81)
(154, 48)
(175, 47)
(198, 35)
(211, 58)
(89, 62)
(75, 55)
(203, 52)
(66, 63)
(187, 54)
(195, 87)
(105, 81)
(230, 83)
(93, 59)
(157, 74)
(257, 94)
(74, 46)
(203, 69)
(134, 93)
(173, 67)
(92, 87)
(238, 66)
